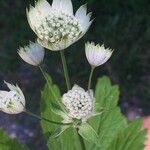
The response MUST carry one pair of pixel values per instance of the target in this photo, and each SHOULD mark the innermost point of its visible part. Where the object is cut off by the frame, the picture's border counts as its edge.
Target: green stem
(81, 141)
(53, 93)
(41, 118)
(65, 69)
(90, 77)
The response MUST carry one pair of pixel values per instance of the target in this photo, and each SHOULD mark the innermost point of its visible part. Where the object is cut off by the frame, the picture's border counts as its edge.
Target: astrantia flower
(32, 54)
(96, 54)
(13, 101)
(55, 25)
(79, 103)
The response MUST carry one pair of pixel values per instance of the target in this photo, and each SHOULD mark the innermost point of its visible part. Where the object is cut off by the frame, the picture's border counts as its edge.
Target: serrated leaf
(6, 143)
(88, 133)
(69, 139)
(130, 138)
(111, 121)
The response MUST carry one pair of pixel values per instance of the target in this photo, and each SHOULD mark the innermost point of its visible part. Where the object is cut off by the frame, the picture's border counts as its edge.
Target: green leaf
(57, 110)
(88, 133)
(111, 121)
(59, 131)
(130, 138)
(6, 143)
(69, 139)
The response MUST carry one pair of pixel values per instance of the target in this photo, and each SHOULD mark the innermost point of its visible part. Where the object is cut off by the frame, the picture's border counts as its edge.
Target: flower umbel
(55, 25)
(96, 54)
(32, 54)
(79, 103)
(13, 101)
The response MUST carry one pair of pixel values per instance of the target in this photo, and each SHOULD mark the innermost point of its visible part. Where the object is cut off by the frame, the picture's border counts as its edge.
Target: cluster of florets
(13, 101)
(80, 104)
(54, 28)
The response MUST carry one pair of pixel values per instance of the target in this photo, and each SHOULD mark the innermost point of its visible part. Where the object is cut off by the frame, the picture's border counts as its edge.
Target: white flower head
(32, 54)
(79, 103)
(13, 101)
(55, 25)
(96, 54)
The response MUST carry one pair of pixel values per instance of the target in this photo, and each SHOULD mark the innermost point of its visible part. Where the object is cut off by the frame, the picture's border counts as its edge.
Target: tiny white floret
(13, 101)
(32, 54)
(96, 54)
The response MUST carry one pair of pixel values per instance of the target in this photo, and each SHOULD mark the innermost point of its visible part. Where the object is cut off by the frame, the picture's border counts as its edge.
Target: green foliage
(130, 138)
(6, 143)
(109, 129)
(111, 121)
(67, 140)
(88, 133)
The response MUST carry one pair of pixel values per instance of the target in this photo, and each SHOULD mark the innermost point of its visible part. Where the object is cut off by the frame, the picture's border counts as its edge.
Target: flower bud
(32, 54)
(13, 101)
(96, 54)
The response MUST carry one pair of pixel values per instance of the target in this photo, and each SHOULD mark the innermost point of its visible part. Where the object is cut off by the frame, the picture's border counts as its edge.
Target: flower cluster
(56, 26)
(13, 101)
(80, 104)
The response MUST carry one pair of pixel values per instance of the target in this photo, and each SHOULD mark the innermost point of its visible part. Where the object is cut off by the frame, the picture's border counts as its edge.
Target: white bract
(13, 101)
(32, 54)
(96, 54)
(55, 25)
(79, 103)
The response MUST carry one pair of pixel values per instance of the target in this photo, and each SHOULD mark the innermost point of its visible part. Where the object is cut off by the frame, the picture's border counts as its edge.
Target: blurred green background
(122, 25)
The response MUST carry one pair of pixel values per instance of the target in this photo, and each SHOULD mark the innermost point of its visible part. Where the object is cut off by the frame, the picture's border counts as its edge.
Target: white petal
(63, 6)
(56, 4)
(66, 6)
(83, 17)
(35, 14)
(32, 54)
(33, 18)
(81, 12)
(43, 8)
(27, 58)
(16, 89)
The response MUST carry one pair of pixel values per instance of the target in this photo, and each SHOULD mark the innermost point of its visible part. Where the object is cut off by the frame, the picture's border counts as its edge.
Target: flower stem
(81, 141)
(90, 77)
(41, 118)
(52, 91)
(44, 75)
(65, 69)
